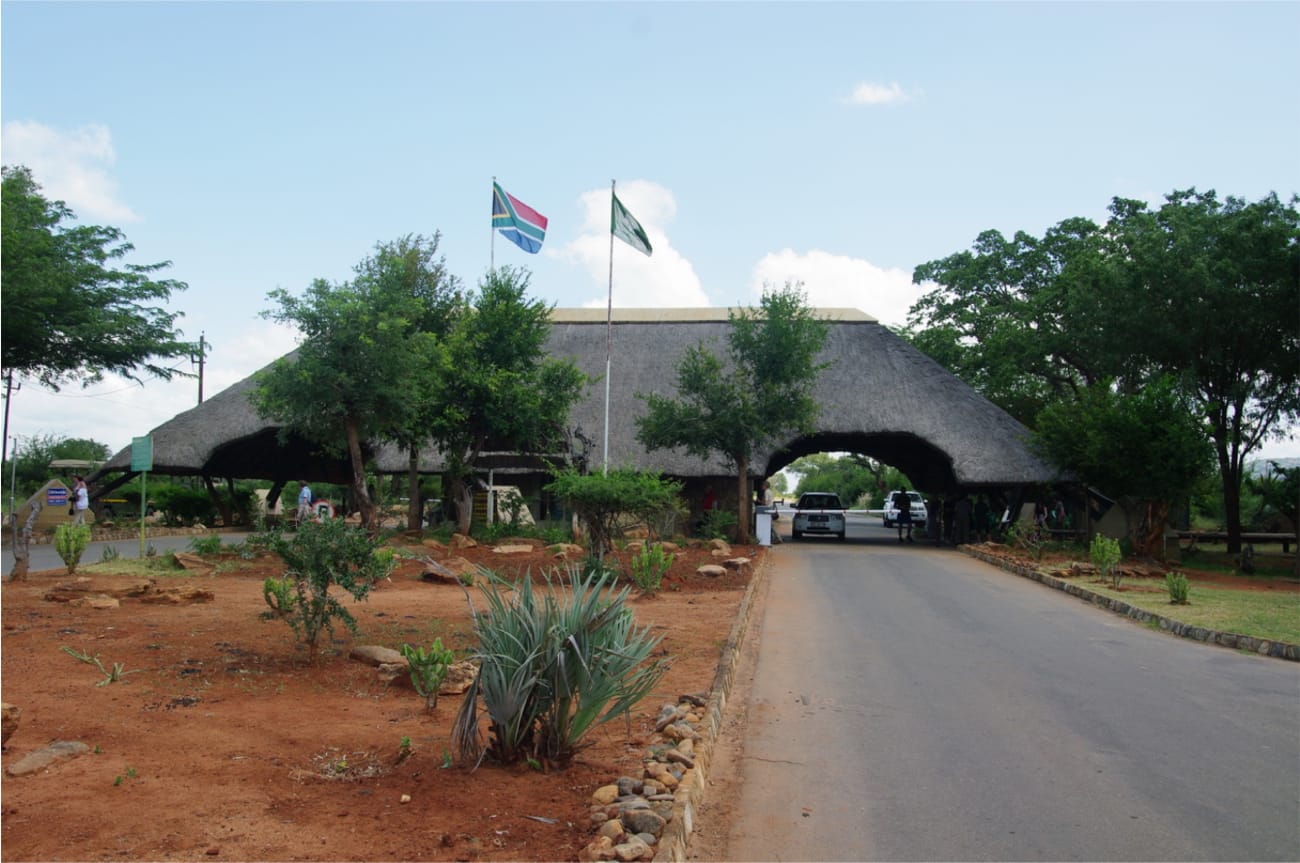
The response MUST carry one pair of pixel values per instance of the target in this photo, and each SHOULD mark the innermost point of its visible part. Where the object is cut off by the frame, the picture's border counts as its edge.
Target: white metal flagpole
(492, 243)
(609, 326)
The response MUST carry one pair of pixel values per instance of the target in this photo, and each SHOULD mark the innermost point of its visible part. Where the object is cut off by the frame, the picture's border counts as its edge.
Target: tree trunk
(745, 501)
(1149, 534)
(223, 507)
(414, 509)
(464, 508)
(1230, 472)
(359, 491)
(22, 544)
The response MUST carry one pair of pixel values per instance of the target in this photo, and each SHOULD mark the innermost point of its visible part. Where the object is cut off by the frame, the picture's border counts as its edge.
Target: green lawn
(1268, 614)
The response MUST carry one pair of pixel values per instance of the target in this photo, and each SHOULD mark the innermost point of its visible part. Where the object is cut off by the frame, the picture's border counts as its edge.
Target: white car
(919, 514)
(818, 513)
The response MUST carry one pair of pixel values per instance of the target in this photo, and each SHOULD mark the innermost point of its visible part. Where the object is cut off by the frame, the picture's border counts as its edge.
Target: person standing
(961, 519)
(80, 500)
(904, 503)
(304, 502)
(769, 502)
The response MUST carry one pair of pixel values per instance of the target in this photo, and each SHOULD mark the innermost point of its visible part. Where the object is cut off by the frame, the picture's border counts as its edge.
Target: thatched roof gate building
(880, 397)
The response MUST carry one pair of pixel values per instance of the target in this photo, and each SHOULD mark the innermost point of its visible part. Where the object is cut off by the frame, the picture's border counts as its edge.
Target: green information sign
(142, 453)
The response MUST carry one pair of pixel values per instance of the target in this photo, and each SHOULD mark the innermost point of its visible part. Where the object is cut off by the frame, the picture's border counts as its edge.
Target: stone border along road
(677, 832)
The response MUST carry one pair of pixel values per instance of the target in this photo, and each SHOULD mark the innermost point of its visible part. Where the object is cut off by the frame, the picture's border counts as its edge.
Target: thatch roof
(880, 397)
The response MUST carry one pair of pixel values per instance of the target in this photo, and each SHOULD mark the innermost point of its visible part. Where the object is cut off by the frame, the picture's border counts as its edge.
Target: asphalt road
(912, 703)
(43, 555)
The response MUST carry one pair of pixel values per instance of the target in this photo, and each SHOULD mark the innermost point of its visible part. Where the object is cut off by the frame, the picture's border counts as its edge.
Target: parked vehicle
(818, 513)
(919, 514)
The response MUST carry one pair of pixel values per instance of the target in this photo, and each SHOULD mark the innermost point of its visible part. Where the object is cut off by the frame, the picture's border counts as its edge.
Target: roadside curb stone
(690, 791)
(1260, 646)
(655, 815)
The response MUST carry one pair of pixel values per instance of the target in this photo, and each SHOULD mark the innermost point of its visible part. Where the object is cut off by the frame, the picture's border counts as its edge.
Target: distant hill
(1259, 466)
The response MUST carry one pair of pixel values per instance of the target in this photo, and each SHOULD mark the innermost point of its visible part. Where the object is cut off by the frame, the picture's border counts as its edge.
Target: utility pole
(9, 393)
(202, 351)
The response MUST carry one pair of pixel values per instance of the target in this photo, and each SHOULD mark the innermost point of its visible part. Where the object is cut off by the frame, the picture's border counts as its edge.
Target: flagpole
(609, 325)
(492, 243)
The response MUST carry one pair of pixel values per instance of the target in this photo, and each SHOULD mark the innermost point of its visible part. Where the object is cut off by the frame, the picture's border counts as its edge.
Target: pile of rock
(630, 815)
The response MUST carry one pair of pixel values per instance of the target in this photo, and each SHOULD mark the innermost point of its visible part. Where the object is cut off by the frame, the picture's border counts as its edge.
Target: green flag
(625, 226)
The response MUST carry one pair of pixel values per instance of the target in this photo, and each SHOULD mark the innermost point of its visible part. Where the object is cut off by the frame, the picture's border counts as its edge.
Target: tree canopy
(1201, 289)
(410, 268)
(497, 388)
(73, 309)
(29, 467)
(362, 358)
(760, 393)
(1147, 447)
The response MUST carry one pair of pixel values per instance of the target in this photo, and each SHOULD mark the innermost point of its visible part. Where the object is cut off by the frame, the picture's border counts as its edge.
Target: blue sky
(263, 145)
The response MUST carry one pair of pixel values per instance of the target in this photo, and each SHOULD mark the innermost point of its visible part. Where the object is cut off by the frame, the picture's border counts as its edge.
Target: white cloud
(72, 167)
(116, 410)
(869, 93)
(839, 281)
(663, 280)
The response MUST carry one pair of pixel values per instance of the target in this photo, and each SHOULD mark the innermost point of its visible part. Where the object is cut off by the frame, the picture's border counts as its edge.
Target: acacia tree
(410, 268)
(1146, 447)
(1015, 318)
(759, 395)
(496, 387)
(70, 312)
(350, 381)
(1203, 290)
(1210, 293)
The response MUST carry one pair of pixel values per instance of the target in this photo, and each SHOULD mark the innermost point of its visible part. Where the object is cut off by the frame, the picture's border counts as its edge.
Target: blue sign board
(56, 495)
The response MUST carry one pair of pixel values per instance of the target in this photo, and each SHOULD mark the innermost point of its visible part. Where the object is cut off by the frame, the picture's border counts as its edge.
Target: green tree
(410, 268)
(1209, 294)
(1278, 490)
(496, 389)
(762, 393)
(607, 503)
(29, 468)
(1013, 318)
(350, 382)
(70, 311)
(1147, 448)
(1201, 289)
(852, 477)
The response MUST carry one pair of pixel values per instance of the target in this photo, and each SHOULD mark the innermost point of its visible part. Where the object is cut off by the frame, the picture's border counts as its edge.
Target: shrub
(70, 541)
(1178, 587)
(717, 524)
(180, 505)
(553, 668)
(1027, 536)
(428, 669)
(206, 545)
(1106, 556)
(319, 555)
(607, 503)
(649, 566)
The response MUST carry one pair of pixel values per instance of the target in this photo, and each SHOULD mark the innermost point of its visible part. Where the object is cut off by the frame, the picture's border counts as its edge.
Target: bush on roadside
(70, 541)
(1179, 589)
(649, 566)
(205, 546)
(318, 556)
(608, 503)
(1105, 554)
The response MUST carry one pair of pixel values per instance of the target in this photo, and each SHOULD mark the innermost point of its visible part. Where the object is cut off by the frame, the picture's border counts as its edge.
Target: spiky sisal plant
(553, 665)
